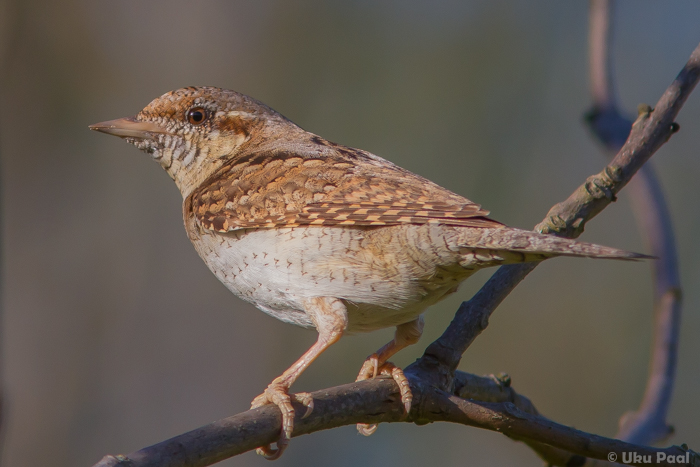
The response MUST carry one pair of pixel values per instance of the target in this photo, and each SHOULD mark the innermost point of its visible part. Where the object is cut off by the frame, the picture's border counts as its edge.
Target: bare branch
(443, 355)
(651, 130)
(648, 424)
(490, 389)
(513, 422)
(498, 389)
(375, 401)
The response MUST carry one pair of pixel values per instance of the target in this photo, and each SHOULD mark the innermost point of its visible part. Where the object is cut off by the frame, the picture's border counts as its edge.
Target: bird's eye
(196, 115)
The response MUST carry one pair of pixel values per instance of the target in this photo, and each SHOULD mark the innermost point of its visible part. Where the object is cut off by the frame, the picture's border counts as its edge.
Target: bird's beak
(128, 128)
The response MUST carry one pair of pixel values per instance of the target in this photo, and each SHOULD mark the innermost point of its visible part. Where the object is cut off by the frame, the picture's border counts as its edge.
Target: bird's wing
(346, 187)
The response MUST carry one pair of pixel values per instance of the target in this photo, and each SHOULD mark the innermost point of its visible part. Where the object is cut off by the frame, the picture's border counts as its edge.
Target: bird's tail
(535, 246)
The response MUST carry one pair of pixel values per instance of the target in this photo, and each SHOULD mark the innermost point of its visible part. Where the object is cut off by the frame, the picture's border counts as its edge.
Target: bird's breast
(386, 276)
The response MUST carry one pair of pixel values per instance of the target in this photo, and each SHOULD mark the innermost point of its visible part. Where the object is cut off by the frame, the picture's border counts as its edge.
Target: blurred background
(115, 336)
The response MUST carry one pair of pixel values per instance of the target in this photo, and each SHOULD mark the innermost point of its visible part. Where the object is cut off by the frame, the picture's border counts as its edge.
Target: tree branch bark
(376, 401)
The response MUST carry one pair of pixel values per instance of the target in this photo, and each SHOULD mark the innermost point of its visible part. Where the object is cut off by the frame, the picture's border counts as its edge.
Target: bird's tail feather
(536, 245)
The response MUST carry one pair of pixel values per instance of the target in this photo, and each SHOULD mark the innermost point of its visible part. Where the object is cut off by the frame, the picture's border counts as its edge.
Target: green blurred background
(116, 336)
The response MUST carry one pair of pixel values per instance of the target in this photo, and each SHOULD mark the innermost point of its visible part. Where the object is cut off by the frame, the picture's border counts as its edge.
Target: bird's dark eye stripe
(196, 115)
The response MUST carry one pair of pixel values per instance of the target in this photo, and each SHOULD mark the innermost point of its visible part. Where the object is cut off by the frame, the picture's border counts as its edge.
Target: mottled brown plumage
(344, 187)
(318, 234)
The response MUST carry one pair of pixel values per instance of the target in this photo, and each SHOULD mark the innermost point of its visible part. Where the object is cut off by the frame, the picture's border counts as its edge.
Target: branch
(651, 130)
(378, 400)
(498, 389)
(648, 424)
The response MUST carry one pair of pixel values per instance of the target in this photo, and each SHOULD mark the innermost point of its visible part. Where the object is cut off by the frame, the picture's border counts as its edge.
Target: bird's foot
(371, 369)
(277, 394)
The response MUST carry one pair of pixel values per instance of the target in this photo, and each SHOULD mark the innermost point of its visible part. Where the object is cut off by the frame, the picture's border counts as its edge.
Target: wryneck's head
(193, 131)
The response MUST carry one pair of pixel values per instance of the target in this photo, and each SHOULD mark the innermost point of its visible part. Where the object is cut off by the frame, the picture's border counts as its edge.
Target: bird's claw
(305, 399)
(370, 369)
(277, 394)
(366, 429)
(270, 453)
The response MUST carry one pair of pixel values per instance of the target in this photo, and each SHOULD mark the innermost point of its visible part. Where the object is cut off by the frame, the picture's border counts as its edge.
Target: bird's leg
(330, 317)
(406, 334)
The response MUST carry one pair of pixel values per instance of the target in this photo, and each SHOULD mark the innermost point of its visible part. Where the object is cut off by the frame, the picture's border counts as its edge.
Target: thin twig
(648, 424)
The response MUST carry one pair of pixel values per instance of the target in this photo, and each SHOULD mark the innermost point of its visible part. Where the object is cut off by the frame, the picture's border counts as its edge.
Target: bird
(319, 234)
